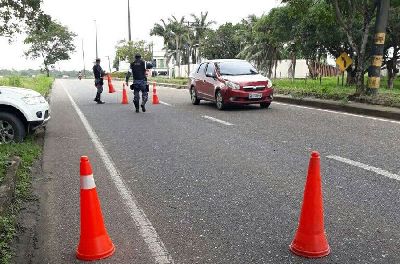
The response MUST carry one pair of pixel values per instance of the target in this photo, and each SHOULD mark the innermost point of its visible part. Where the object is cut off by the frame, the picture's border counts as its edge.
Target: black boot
(143, 108)
(136, 106)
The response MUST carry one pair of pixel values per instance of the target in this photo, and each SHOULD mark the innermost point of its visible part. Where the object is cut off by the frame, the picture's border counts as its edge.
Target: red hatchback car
(230, 82)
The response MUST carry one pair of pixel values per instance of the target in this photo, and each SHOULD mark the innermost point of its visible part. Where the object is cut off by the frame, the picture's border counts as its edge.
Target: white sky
(111, 17)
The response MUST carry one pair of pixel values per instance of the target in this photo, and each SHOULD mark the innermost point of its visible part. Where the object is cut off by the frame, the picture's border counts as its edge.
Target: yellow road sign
(344, 61)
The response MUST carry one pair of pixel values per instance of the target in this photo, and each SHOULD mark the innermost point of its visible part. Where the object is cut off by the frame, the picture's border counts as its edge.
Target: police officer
(98, 80)
(138, 70)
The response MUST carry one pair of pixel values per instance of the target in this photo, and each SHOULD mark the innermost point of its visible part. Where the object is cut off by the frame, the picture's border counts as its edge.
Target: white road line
(366, 167)
(341, 113)
(146, 229)
(217, 120)
(164, 103)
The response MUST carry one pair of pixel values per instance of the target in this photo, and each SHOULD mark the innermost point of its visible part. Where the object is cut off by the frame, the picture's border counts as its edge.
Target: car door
(200, 79)
(209, 83)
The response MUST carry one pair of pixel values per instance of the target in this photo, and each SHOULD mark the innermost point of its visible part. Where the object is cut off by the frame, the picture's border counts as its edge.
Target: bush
(118, 75)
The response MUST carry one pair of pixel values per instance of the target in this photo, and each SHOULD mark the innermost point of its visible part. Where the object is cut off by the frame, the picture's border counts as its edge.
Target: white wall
(282, 69)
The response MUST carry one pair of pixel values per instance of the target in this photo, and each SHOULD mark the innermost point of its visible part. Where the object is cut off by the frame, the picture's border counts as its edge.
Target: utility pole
(109, 65)
(83, 57)
(129, 22)
(374, 71)
(97, 53)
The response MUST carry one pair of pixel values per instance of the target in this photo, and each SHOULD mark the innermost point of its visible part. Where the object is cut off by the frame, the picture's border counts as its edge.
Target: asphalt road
(215, 186)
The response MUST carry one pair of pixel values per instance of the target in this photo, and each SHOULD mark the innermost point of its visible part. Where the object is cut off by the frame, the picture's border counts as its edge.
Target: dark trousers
(99, 86)
(139, 86)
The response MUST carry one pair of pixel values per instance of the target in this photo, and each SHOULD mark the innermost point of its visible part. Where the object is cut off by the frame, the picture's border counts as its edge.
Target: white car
(21, 111)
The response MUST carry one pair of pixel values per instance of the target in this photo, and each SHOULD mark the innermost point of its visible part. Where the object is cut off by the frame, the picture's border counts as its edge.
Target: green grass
(28, 151)
(178, 81)
(40, 83)
(329, 89)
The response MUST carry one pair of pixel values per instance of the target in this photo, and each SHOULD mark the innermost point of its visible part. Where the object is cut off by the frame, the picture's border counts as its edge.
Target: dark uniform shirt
(138, 69)
(98, 71)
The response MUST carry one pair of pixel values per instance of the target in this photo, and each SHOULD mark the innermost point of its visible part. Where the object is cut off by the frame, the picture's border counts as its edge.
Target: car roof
(224, 60)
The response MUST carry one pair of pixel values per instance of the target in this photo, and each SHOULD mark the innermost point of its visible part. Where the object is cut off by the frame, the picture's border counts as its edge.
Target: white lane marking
(164, 103)
(341, 113)
(366, 167)
(146, 229)
(217, 120)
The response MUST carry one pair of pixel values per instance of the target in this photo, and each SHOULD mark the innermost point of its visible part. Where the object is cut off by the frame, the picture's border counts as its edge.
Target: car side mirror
(211, 75)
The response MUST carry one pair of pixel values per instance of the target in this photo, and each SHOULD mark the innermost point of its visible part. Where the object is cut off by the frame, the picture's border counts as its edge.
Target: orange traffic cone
(94, 242)
(310, 239)
(124, 95)
(110, 85)
(155, 97)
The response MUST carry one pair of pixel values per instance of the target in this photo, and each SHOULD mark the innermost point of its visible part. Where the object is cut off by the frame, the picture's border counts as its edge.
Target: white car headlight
(269, 84)
(33, 100)
(233, 85)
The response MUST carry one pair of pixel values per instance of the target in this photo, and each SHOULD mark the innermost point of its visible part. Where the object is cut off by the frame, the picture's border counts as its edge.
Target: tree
(13, 13)
(126, 51)
(222, 43)
(50, 41)
(200, 26)
(173, 33)
(392, 45)
(355, 18)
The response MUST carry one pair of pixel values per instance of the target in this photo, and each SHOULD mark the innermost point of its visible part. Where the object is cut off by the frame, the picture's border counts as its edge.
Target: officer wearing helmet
(138, 71)
(98, 80)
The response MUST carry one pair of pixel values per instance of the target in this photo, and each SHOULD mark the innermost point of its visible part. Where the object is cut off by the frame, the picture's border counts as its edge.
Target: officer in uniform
(138, 70)
(98, 80)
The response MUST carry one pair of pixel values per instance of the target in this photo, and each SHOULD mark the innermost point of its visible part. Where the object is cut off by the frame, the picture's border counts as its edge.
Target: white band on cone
(87, 182)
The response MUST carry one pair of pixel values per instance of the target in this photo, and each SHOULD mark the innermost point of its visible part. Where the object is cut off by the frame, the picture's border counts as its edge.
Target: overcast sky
(111, 19)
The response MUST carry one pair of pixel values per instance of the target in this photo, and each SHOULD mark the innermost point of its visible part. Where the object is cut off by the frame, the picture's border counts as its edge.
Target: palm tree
(201, 25)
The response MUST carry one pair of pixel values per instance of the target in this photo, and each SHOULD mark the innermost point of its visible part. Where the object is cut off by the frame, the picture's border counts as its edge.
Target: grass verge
(41, 84)
(328, 88)
(28, 151)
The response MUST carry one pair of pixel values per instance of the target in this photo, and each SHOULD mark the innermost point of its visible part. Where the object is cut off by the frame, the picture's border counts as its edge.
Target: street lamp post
(83, 57)
(109, 65)
(129, 23)
(97, 52)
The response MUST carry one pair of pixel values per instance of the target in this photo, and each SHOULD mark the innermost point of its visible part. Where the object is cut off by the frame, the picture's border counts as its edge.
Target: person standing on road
(98, 80)
(138, 70)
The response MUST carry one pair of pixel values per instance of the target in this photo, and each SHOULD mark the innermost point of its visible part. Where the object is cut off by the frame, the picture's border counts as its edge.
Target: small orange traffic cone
(110, 85)
(310, 239)
(94, 242)
(155, 97)
(124, 95)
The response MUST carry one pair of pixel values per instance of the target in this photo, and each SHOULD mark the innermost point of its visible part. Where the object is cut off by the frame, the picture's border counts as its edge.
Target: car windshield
(236, 68)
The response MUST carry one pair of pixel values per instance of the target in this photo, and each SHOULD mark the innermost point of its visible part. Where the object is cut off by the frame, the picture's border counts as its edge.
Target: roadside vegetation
(28, 151)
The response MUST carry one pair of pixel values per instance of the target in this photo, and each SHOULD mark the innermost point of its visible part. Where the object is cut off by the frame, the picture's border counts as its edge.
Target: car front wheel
(11, 128)
(219, 101)
(193, 96)
(265, 105)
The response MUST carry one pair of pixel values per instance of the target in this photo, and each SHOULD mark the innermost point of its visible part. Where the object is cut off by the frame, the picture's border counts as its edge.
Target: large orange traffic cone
(155, 97)
(124, 95)
(310, 239)
(94, 242)
(110, 85)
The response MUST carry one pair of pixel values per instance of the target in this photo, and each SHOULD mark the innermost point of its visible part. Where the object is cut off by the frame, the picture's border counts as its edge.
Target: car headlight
(269, 84)
(233, 85)
(33, 100)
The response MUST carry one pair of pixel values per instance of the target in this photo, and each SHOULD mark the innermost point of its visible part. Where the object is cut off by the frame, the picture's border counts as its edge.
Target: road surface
(191, 184)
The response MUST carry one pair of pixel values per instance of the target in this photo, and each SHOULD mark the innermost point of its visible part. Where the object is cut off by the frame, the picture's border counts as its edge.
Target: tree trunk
(392, 69)
(293, 65)
(188, 66)
(178, 59)
(46, 68)
(276, 65)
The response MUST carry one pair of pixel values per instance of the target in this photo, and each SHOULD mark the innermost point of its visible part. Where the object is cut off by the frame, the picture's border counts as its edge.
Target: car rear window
(201, 68)
(236, 68)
